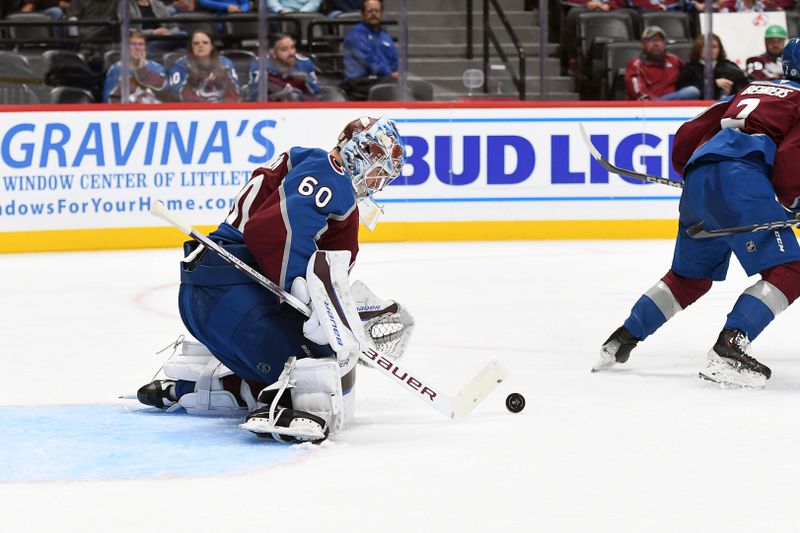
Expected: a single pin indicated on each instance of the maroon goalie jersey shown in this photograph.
(769, 111)
(300, 203)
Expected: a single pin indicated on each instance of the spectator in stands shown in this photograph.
(743, 6)
(334, 8)
(202, 75)
(569, 30)
(223, 7)
(290, 76)
(180, 6)
(652, 75)
(283, 7)
(768, 66)
(728, 78)
(370, 56)
(155, 9)
(656, 5)
(147, 79)
(55, 9)
(105, 10)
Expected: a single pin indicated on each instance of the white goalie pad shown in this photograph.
(318, 390)
(386, 323)
(334, 308)
(191, 361)
(315, 387)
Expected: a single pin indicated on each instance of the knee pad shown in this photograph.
(191, 361)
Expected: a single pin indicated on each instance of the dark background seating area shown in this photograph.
(39, 55)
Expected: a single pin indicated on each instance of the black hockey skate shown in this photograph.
(616, 349)
(730, 362)
(159, 393)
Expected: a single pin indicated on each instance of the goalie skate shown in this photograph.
(730, 363)
(289, 425)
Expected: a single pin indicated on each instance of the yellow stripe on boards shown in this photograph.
(166, 237)
(521, 230)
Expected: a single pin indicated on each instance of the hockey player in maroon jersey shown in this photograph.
(769, 65)
(305, 200)
(735, 158)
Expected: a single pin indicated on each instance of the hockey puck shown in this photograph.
(515, 402)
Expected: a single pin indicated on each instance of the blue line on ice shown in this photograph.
(82, 442)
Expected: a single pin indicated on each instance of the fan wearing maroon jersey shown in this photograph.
(738, 160)
(306, 199)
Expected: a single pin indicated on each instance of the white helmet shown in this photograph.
(372, 152)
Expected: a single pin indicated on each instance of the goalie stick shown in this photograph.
(605, 163)
(454, 407)
(697, 231)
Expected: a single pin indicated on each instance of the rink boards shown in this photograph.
(84, 177)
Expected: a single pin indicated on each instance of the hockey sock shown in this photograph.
(762, 302)
(660, 303)
(183, 387)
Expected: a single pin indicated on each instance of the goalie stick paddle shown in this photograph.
(622, 171)
(453, 407)
(697, 231)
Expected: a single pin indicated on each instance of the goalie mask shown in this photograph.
(373, 154)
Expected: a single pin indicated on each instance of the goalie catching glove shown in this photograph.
(338, 307)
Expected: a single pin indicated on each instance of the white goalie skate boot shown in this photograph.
(730, 362)
(616, 349)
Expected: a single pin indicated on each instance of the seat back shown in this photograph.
(617, 56)
(109, 58)
(70, 95)
(170, 58)
(16, 94)
(416, 91)
(32, 34)
(16, 66)
(64, 68)
(188, 22)
(793, 23)
(241, 60)
(674, 23)
(682, 50)
(595, 31)
(331, 93)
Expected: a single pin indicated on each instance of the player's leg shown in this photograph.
(775, 254)
(197, 381)
(320, 398)
(695, 263)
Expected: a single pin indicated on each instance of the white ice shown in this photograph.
(646, 446)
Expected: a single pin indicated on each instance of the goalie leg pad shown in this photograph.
(192, 362)
(315, 406)
(318, 390)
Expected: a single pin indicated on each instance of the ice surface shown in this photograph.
(646, 446)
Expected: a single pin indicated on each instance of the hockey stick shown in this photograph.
(621, 171)
(696, 230)
(454, 407)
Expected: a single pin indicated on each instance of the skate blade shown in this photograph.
(299, 432)
(722, 374)
(605, 362)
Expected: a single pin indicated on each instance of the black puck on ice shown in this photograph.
(515, 402)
